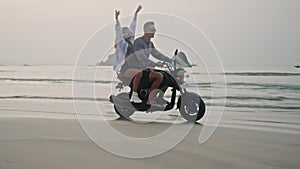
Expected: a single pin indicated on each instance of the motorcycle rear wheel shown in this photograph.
(122, 110)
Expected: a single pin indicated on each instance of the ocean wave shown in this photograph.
(262, 74)
(275, 86)
(243, 98)
(263, 106)
(200, 84)
(56, 80)
(247, 85)
(7, 71)
(232, 104)
(53, 98)
(253, 73)
(255, 106)
(268, 121)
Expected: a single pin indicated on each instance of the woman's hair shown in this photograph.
(126, 33)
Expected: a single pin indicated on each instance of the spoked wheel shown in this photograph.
(122, 106)
(192, 107)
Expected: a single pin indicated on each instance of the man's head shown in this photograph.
(127, 34)
(149, 29)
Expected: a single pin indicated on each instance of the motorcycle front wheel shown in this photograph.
(192, 107)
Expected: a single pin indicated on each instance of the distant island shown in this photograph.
(107, 62)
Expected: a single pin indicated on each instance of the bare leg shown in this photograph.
(137, 75)
(156, 78)
(136, 81)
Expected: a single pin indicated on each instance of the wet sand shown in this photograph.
(49, 142)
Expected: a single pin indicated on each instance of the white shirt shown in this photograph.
(121, 49)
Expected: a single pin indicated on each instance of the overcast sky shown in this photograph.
(245, 32)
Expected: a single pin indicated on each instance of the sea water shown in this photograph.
(253, 98)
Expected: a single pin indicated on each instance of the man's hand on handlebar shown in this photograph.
(159, 64)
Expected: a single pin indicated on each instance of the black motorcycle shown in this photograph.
(190, 104)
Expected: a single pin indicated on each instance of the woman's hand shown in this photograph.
(117, 13)
(138, 9)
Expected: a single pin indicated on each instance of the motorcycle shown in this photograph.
(190, 104)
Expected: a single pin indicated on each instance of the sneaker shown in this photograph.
(135, 99)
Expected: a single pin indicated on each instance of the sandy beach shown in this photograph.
(52, 140)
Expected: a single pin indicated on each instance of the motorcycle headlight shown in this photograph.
(181, 76)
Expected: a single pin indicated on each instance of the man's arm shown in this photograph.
(155, 53)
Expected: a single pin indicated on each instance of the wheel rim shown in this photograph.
(192, 107)
(123, 112)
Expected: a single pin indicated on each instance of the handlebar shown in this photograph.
(171, 66)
